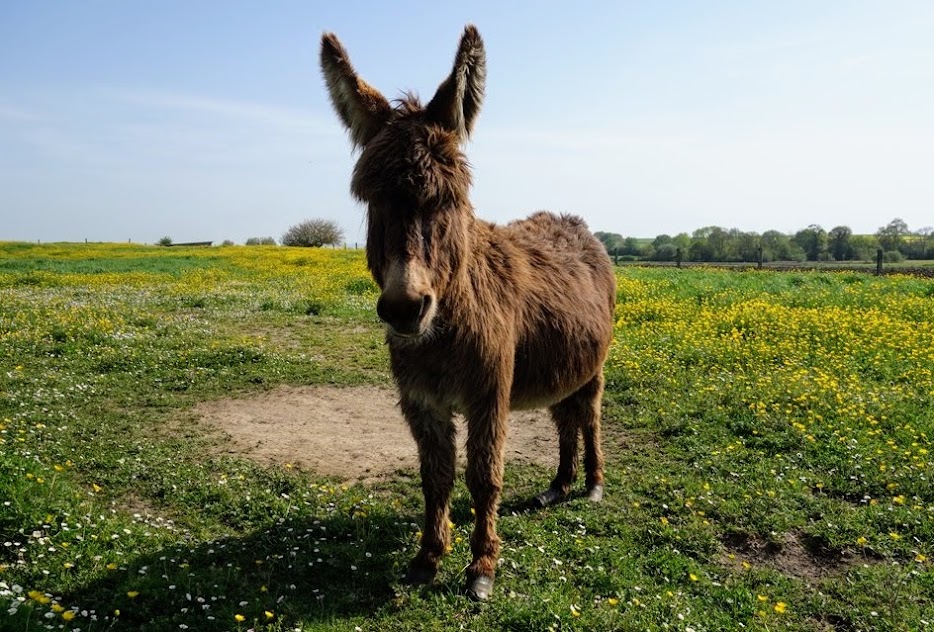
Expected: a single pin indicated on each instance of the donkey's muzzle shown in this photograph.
(407, 315)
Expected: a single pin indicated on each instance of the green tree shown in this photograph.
(892, 235)
(718, 242)
(747, 245)
(924, 239)
(813, 241)
(665, 252)
(611, 241)
(775, 246)
(631, 246)
(700, 251)
(864, 247)
(682, 241)
(838, 241)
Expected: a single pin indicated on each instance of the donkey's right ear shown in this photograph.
(361, 107)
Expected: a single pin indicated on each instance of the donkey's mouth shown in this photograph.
(406, 338)
(396, 333)
(414, 333)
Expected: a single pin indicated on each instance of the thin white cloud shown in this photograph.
(16, 113)
(255, 113)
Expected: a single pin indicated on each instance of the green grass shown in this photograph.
(767, 439)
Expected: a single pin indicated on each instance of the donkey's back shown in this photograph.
(563, 297)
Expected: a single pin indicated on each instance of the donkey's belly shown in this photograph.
(534, 401)
(442, 379)
(545, 375)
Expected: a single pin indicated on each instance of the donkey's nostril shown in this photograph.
(426, 305)
(381, 309)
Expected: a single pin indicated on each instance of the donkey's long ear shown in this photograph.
(361, 107)
(458, 99)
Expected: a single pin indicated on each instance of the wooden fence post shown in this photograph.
(879, 261)
(678, 257)
(759, 256)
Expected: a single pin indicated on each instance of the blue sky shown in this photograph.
(209, 121)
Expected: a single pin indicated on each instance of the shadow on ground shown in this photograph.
(297, 570)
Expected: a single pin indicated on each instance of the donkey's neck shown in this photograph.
(471, 263)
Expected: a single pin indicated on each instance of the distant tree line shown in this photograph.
(713, 243)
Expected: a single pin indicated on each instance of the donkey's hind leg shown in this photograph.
(593, 451)
(576, 414)
(435, 435)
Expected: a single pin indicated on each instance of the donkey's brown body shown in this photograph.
(480, 318)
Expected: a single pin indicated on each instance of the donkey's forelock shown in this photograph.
(412, 165)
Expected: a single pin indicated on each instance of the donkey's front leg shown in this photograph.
(434, 433)
(486, 436)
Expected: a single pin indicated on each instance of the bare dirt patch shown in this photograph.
(796, 555)
(353, 433)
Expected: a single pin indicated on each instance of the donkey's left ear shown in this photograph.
(361, 107)
(457, 101)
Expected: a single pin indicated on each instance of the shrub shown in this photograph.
(260, 241)
(313, 233)
(893, 256)
(665, 252)
(227, 242)
(165, 241)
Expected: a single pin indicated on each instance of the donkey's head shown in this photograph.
(413, 178)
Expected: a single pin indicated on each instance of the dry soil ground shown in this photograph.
(354, 433)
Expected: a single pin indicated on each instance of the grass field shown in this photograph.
(768, 439)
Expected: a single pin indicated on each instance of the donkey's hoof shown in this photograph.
(420, 575)
(595, 493)
(480, 587)
(549, 497)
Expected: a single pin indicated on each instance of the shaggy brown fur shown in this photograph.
(480, 318)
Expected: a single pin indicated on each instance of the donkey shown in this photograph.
(480, 318)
